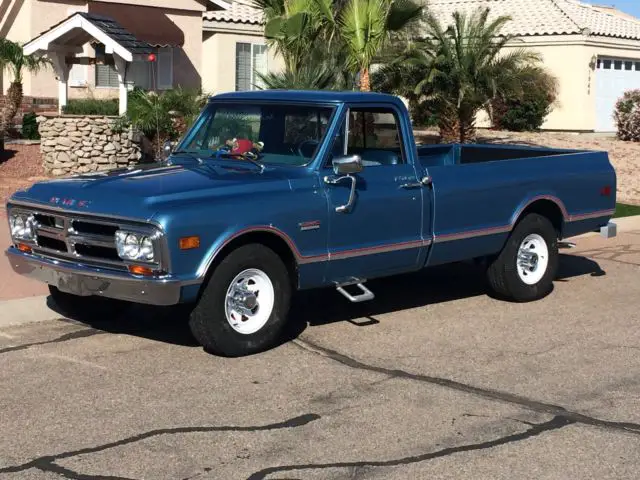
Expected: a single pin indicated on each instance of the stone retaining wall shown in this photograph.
(85, 143)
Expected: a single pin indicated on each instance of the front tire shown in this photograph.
(244, 306)
(527, 265)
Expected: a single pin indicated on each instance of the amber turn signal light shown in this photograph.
(140, 270)
(23, 248)
(187, 243)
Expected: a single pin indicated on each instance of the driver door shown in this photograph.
(381, 233)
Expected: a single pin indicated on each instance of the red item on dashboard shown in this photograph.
(243, 146)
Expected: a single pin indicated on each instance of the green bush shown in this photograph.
(163, 116)
(526, 108)
(92, 106)
(627, 116)
(30, 127)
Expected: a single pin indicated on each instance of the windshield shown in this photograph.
(276, 134)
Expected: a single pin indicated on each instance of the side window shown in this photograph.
(374, 134)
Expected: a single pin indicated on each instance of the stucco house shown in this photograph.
(593, 50)
(216, 44)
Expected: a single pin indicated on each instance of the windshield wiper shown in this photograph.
(185, 152)
(250, 156)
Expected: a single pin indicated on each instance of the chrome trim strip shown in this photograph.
(70, 212)
(449, 237)
(83, 280)
(359, 252)
(591, 215)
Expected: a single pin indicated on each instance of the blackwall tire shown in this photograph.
(527, 265)
(230, 323)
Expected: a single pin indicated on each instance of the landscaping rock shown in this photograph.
(84, 144)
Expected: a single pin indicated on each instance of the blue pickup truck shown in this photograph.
(270, 192)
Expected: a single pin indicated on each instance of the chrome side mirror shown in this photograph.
(347, 165)
(167, 148)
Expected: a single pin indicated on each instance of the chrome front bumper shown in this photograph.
(84, 281)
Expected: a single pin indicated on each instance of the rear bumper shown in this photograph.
(610, 230)
(85, 281)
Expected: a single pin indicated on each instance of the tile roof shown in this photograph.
(546, 17)
(238, 12)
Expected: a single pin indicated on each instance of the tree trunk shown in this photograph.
(365, 82)
(467, 126)
(13, 103)
(448, 124)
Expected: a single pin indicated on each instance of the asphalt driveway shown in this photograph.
(432, 380)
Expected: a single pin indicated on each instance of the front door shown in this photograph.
(381, 232)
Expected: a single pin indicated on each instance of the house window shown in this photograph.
(251, 59)
(106, 75)
(147, 75)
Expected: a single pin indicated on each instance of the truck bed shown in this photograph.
(443, 155)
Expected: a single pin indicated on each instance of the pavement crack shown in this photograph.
(553, 424)
(47, 463)
(87, 332)
(490, 394)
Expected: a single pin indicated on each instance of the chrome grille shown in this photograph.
(82, 239)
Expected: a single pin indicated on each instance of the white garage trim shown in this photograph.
(614, 76)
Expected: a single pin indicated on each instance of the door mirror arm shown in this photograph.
(346, 167)
(331, 180)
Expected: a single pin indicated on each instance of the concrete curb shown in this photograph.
(22, 311)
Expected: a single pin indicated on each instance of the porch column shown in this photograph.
(62, 72)
(121, 68)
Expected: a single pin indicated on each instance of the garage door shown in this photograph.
(614, 76)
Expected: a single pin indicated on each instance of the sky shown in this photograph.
(628, 6)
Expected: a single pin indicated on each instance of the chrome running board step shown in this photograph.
(364, 295)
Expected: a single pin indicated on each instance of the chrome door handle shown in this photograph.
(425, 181)
(331, 180)
(412, 185)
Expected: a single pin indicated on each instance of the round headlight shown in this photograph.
(132, 246)
(17, 225)
(22, 226)
(146, 249)
(135, 246)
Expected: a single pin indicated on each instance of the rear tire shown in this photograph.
(87, 308)
(244, 306)
(528, 263)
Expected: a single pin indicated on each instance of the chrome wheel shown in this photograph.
(249, 301)
(533, 259)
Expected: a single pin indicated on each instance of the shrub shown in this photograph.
(526, 108)
(92, 106)
(627, 116)
(30, 127)
(162, 116)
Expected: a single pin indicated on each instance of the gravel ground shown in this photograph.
(623, 155)
(20, 166)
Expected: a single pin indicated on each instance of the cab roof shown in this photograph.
(312, 96)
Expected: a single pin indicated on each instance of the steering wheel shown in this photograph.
(304, 142)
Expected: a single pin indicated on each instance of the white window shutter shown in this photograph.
(165, 68)
(243, 66)
(78, 76)
(259, 65)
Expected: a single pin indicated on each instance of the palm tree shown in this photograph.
(367, 27)
(13, 59)
(465, 66)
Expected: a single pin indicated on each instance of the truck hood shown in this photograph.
(141, 192)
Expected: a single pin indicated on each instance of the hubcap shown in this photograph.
(533, 259)
(249, 301)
